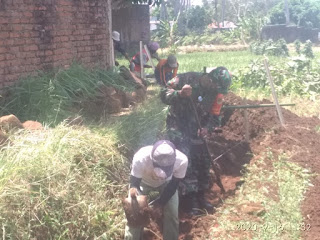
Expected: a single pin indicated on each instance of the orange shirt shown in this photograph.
(164, 68)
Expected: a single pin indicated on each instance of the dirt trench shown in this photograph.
(299, 136)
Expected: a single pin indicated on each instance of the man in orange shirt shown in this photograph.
(166, 70)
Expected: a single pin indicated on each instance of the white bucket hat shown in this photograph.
(163, 156)
(116, 36)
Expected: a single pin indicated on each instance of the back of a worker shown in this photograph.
(166, 70)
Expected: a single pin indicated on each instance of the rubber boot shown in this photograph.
(192, 206)
(203, 203)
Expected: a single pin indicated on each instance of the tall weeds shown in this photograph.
(50, 97)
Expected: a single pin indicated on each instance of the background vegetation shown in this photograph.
(67, 182)
(182, 24)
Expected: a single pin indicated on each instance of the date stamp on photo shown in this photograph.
(272, 227)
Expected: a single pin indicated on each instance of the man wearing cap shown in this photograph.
(135, 65)
(205, 93)
(166, 70)
(159, 167)
(117, 46)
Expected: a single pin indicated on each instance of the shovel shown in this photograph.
(215, 165)
(137, 210)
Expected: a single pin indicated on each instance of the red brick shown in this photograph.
(14, 49)
(4, 20)
(64, 38)
(4, 35)
(27, 14)
(10, 56)
(19, 41)
(30, 54)
(48, 53)
(17, 27)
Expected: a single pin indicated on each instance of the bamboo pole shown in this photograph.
(255, 106)
(274, 94)
(246, 122)
(149, 56)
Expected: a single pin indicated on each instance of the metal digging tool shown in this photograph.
(215, 166)
(255, 106)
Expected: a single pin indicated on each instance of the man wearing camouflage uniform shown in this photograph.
(204, 92)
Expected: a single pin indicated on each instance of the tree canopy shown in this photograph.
(303, 13)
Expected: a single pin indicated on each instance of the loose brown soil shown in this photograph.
(299, 138)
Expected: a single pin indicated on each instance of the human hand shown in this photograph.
(186, 91)
(133, 192)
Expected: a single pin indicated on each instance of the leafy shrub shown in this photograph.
(269, 47)
(307, 49)
(297, 45)
(297, 76)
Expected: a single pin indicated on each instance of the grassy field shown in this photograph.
(198, 60)
(66, 182)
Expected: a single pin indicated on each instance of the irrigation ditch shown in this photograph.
(267, 178)
(298, 142)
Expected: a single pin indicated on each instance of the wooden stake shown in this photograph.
(274, 94)
(246, 122)
(112, 54)
(141, 61)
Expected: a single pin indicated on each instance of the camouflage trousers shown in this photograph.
(198, 171)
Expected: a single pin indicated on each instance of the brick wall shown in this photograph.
(134, 27)
(45, 34)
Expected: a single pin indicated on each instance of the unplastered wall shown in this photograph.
(46, 34)
(133, 23)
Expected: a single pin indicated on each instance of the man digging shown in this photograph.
(186, 93)
(158, 168)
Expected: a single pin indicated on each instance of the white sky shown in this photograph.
(196, 2)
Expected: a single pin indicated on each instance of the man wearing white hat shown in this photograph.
(159, 167)
(117, 45)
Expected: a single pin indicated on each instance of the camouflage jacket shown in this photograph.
(181, 114)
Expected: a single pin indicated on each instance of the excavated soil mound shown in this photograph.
(299, 137)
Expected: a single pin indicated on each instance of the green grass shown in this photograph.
(231, 60)
(276, 188)
(196, 61)
(141, 127)
(68, 182)
(61, 183)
